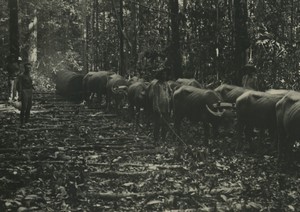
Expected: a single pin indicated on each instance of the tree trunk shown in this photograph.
(13, 29)
(32, 52)
(121, 64)
(84, 37)
(105, 48)
(292, 20)
(175, 55)
(97, 36)
(134, 55)
(241, 38)
(93, 30)
(87, 42)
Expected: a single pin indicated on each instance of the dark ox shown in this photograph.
(117, 91)
(173, 85)
(256, 109)
(137, 98)
(200, 105)
(158, 106)
(288, 122)
(95, 82)
(229, 93)
(134, 79)
(68, 84)
(280, 92)
(190, 82)
(149, 97)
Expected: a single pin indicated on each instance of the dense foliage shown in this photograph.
(83, 35)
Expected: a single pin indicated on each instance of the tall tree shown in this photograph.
(119, 18)
(13, 29)
(174, 50)
(121, 27)
(242, 42)
(32, 52)
(133, 33)
(85, 19)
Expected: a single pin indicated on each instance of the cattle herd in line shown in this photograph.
(277, 111)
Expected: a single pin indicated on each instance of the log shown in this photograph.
(143, 152)
(117, 174)
(146, 165)
(84, 147)
(116, 196)
(183, 210)
(41, 129)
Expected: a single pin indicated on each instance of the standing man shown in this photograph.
(250, 79)
(13, 69)
(25, 87)
(161, 104)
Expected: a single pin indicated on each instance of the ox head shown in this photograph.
(224, 113)
(120, 94)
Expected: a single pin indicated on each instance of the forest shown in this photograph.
(210, 39)
(82, 155)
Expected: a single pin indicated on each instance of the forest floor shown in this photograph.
(73, 158)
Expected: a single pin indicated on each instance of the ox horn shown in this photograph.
(122, 87)
(224, 105)
(219, 114)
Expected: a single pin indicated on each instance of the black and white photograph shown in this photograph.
(149, 105)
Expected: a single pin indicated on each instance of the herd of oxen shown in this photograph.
(274, 111)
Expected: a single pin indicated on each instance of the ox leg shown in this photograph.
(248, 136)
(99, 97)
(177, 123)
(91, 97)
(206, 133)
(281, 146)
(148, 115)
(273, 138)
(240, 128)
(285, 153)
(131, 110)
(164, 127)
(215, 130)
(116, 104)
(156, 127)
(137, 116)
(289, 150)
(107, 102)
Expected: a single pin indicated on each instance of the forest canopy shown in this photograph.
(213, 39)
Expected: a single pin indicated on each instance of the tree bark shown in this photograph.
(32, 52)
(292, 20)
(121, 64)
(134, 54)
(175, 54)
(13, 29)
(97, 36)
(84, 36)
(242, 42)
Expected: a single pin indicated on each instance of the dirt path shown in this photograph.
(71, 158)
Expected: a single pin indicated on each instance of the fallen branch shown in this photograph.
(146, 165)
(41, 129)
(114, 196)
(143, 152)
(84, 147)
(103, 114)
(116, 174)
